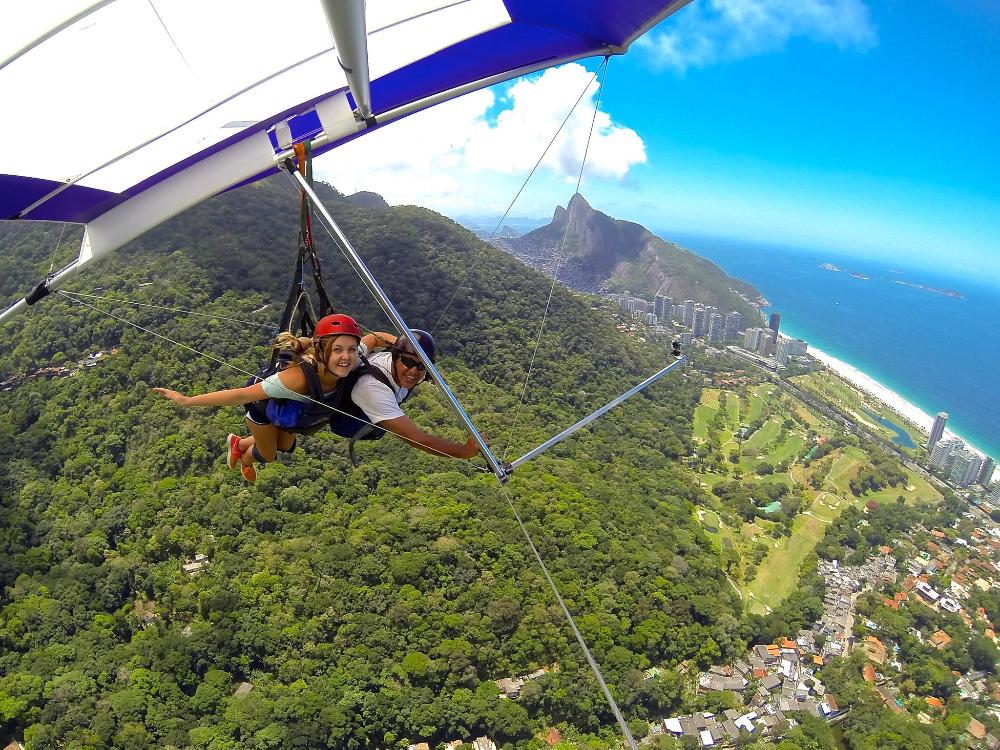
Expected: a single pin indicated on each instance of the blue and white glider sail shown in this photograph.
(122, 113)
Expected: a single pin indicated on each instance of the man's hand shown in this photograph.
(471, 448)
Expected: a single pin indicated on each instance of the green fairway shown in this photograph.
(845, 468)
(777, 576)
(768, 432)
(787, 450)
(703, 415)
(757, 404)
(922, 492)
(733, 405)
(710, 397)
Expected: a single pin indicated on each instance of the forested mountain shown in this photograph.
(367, 607)
(603, 253)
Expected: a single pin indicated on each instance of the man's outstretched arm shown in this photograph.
(407, 429)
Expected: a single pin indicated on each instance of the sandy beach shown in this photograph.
(887, 396)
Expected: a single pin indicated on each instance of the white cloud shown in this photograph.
(433, 157)
(711, 31)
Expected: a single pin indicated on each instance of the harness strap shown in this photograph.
(365, 433)
(303, 154)
(297, 315)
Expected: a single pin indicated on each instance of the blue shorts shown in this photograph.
(255, 413)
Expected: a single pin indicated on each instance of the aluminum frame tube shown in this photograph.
(348, 27)
(591, 417)
(401, 325)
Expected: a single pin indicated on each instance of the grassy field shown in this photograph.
(786, 450)
(709, 407)
(832, 387)
(768, 432)
(778, 574)
(702, 416)
(757, 402)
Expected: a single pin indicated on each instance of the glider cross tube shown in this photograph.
(397, 320)
(588, 419)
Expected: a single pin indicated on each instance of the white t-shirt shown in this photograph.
(375, 399)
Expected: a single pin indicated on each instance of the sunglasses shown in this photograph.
(409, 363)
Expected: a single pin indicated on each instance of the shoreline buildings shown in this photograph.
(937, 429)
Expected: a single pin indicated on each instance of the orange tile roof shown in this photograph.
(760, 672)
(786, 643)
(937, 534)
(868, 673)
(818, 660)
(940, 639)
(885, 550)
(934, 702)
(891, 603)
(989, 633)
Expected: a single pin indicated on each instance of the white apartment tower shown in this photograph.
(937, 429)
(966, 468)
(943, 451)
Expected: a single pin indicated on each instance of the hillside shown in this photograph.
(366, 607)
(607, 254)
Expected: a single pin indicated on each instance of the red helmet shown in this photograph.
(337, 325)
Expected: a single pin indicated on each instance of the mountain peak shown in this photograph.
(577, 205)
(367, 199)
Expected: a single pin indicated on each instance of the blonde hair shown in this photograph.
(303, 347)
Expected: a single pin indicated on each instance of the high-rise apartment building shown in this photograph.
(765, 345)
(688, 314)
(774, 323)
(699, 321)
(734, 322)
(716, 327)
(937, 429)
(661, 306)
(986, 472)
(994, 496)
(942, 450)
(965, 468)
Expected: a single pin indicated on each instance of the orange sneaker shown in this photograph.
(249, 473)
(233, 450)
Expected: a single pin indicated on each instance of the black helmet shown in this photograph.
(403, 346)
(426, 341)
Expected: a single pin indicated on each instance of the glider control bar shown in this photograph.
(588, 419)
(397, 320)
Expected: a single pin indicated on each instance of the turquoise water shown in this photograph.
(940, 352)
(902, 437)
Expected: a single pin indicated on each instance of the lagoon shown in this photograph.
(902, 437)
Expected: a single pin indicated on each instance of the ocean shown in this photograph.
(940, 352)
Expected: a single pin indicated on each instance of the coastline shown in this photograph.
(887, 396)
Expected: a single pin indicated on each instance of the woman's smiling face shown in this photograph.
(341, 355)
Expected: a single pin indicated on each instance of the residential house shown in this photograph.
(940, 639)
(875, 650)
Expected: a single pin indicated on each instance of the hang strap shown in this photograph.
(303, 154)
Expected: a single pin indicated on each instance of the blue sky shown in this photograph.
(867, 128)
